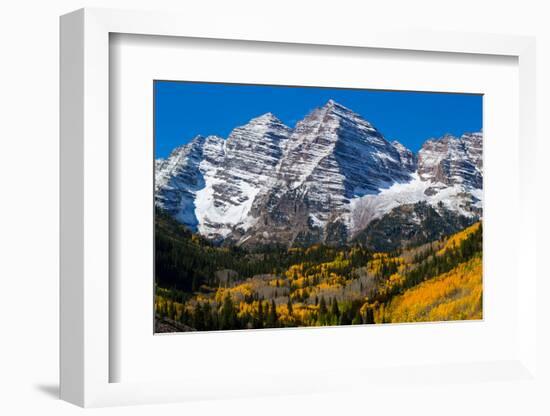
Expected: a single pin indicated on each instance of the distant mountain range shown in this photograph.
(332, 179)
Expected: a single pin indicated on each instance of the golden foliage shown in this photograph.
(277, 282)
(455, 295)
(374, 290)
(455, 239)
(381, 259)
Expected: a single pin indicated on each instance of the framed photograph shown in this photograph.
(290, 212)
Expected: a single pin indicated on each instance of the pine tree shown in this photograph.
(369, 318)
(322, 306)
(227, 319)
(272, 315)
(195, 283)
(198, 317)
(207, 314)
(289, 306)
(260, 323)
(335, 311)
(182, 318)
(173, 312)
(323, 312)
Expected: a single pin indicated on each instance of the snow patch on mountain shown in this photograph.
(370, 207)
(219, 220)
(333, 171)
(233, 172)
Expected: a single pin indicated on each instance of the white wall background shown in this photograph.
(29, 56)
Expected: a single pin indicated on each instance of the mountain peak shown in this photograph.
(266, 118)
(342, 112)
(296, 184)
(333, 105)
(197, 138)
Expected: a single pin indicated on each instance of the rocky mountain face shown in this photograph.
(210, 183)
(324, 181)
(248, 165)
(452, 160)
(181, 177)
(411, 224)
(332, 156)
(406, 157)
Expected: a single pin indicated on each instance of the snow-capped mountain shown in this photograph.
(210, 183)
(251, 155)
(325, 180)
(183, 175)
(452, 160)
(331, 157)
(407, 157)
(449, 175)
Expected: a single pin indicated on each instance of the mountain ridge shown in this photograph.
(324, 181)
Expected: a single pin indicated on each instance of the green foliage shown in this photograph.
(207, 287)
(272, 316)
(186, 262)
(228, 315)
(434, 264)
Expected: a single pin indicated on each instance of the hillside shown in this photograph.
(206, 287)
(455, 295)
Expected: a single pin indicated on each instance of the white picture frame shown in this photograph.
(85, 352)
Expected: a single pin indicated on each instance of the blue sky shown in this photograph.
(185, 109)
